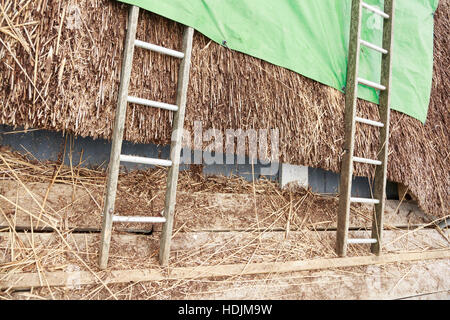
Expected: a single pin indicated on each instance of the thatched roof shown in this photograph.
(73, 88)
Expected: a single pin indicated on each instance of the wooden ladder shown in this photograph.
(116, 157)
(353, 80)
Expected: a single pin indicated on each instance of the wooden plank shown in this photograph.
(351, 94)
(138, 248)
(396, 241)
(30, 280)
(217, 211)
(384, 109)
(84, 244)
(175, 148)
(119, 125)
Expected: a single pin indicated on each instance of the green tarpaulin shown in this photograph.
(311, 37)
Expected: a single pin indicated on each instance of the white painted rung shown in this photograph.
(369, 122)
(365, 200)
(159, 49)
(368, 161)
(371, 84)
(150, 103)
(142, 160)
(361, 241)
(372, 46)
(375, 10)
(139, 219)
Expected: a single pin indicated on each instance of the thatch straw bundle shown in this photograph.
(60, 66)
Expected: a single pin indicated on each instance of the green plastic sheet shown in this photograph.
(311, 37)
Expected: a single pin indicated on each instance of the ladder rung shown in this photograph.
(142, 160)
(150, 103)
(375, 10)
(371, 84)
(139, 219)
(368, 161)
(362, 241)
(369, 122)
(159, 49)
(365, 200)
(372, 46)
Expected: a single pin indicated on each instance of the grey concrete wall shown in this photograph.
(48, 145)
(327, 182)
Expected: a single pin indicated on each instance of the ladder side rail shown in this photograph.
(175, 148)
(119, 124)
(345, 185)
(384, 109)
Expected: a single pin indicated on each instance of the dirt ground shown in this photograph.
(50, 219)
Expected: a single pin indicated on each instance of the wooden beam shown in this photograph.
(351, 95)
(67, 279)
(119, 125)
(384, 110)
(175, 148)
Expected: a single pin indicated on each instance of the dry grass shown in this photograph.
(30, 252)
(64, 249)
